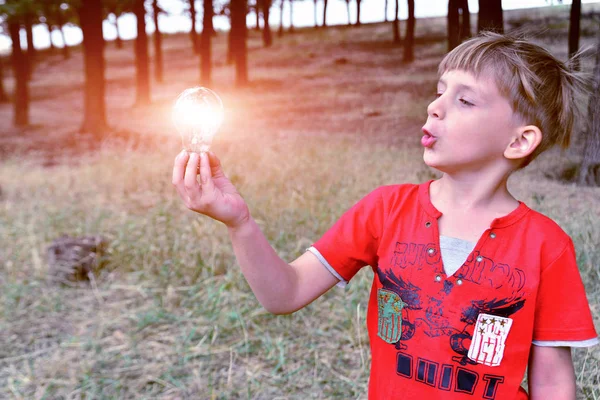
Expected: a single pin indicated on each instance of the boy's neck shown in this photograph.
(472, 193)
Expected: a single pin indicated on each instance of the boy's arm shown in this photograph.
(551, 374)
(280, 287)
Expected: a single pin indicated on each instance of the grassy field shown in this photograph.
(329, 116)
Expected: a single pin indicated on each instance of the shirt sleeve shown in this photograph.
(562, 309)
(352, 242)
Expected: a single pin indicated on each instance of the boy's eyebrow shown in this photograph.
(459, 85)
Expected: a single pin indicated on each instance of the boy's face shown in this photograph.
(469, 124)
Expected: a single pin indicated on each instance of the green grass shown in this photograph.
(171, 316)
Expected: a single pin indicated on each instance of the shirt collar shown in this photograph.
(504, 221)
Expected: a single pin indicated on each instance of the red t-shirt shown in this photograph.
(465, 336)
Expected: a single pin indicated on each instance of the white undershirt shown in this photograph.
(454, 253)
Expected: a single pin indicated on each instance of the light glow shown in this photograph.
(198, 114)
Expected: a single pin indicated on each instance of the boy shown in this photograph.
(467, 278)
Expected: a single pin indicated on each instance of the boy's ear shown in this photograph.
(524, 142)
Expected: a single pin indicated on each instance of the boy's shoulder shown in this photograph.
(545, 226)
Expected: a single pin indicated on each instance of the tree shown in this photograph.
(158, 59)
(13, 12)
(141, 55)
(453, 24)
(3, 96)
(589, 170)
(29, 18)
(90, 19)
(574, 30)
(193, 32)
(409, 38)
(358, 12)
(45, 18)
(385, 13)
(238, 35)
(21, 97)
(280, 30)
(465, 25)
(62, 15)
(490, 16)
(348, 11)
(265, 5)
(205, 44)
(396, 24)
(291, 15)
(117, 8)
(324, 13)
(257, 14)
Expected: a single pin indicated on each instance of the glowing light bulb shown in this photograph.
(197, 114)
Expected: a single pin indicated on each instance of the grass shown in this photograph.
(171, 316)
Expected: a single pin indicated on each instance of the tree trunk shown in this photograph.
(589, 170)
(267, 37)
(158, 59)
(453, 24)
(574, 31)
(65, 50)
(409, 38)
(60, 19)
(490, 16)
(193, 33)
(280, 30)
(206, 45)
(257, 14)
(465, 25)
(396, 24)
(30, 59)
(230, 45)
(3, 95)
(358, 12)
(385, 15)
(291, 16)
(315, 10)
(324, 13)
(142, 70)
(238, 35)
(21, 96)
(52, 47)
(118, 40)
(94, 115)
(348, 11)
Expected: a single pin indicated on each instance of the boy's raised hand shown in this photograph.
(215, 195)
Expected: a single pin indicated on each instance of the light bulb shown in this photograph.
(197, 114)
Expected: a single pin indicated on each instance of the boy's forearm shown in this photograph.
(551, 374)
(563, 391)
(271, 279)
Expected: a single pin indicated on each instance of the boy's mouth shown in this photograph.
(428, 139)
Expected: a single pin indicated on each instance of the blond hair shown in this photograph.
(542, 90)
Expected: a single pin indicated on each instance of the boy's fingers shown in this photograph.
(191, 172)
(206, 174)
(179, 167)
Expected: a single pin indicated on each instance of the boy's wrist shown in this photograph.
(241, 225)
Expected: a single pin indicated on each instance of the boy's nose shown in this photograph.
(434, 109)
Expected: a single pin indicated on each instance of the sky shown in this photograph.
(177, 21)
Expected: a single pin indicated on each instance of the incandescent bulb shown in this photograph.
(197, 114)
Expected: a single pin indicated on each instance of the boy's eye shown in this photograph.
(465, 102)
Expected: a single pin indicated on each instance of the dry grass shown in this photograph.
(172, 317)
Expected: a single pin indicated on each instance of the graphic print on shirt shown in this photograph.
(489, 337)
(424, 310)
(390, 307)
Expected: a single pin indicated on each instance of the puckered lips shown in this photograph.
(428, 139)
